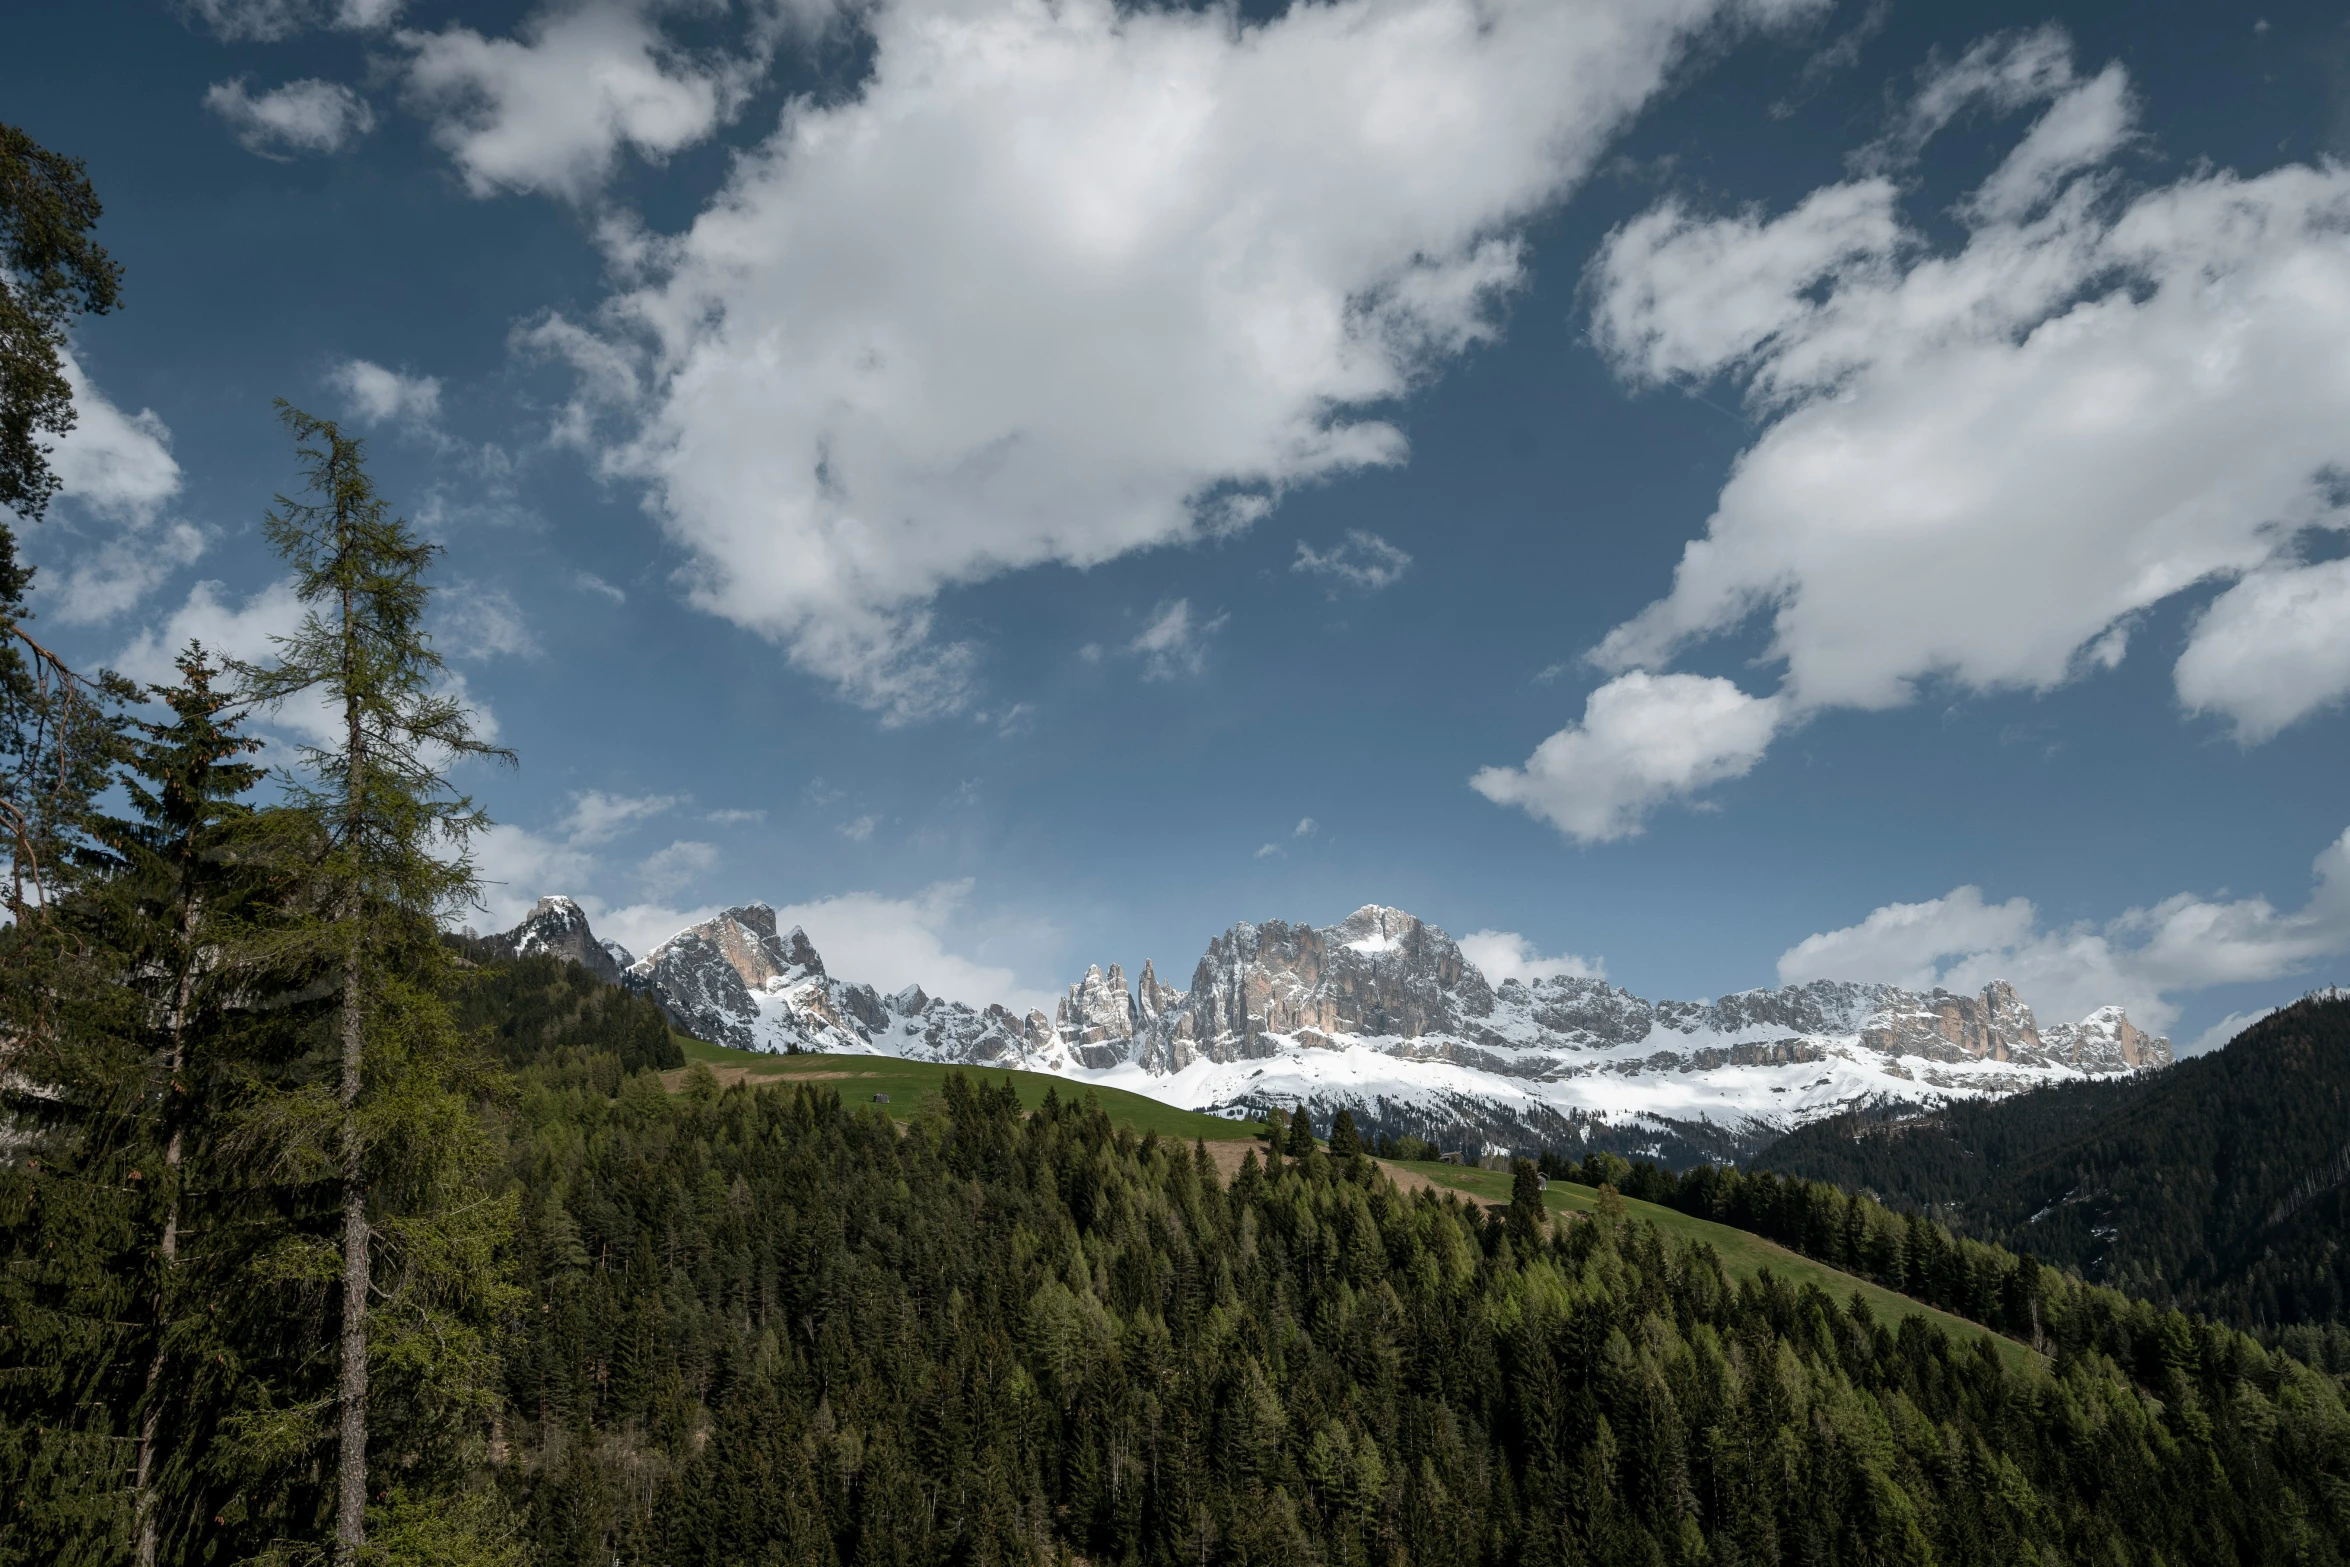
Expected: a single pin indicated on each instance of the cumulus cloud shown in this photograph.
(2139, 959)
(891, 943)
(2271, 650)
(859, 829)
(1306, 827)
(1060, 282)
(682, 865)
(1362, 561)
(1982, 462)
(1174, 645)
(1504, 954)
(116, 471)
(552, 109)
(116, 465)
(303, 116)
(518, 866)
(1644, 739)
(383, 396)
(265, 21)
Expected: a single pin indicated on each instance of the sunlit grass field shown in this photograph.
(859, 1078)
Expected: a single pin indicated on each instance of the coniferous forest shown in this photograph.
(321, 1240)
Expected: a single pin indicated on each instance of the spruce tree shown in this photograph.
(418, 1241)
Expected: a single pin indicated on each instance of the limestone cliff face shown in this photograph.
(1994, 1026)
(2105, 1041)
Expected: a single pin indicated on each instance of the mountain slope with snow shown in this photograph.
(1382, 1013)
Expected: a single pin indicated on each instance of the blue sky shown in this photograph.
(1023, 487)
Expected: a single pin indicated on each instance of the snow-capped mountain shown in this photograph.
(1383, 1013)
(559, 926)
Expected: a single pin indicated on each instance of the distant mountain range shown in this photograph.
(1382, 1013)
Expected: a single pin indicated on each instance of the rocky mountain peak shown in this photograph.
(558, 927)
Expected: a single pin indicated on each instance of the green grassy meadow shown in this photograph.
(859, 1078)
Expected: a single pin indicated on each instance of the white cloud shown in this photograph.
(2226, 1029)
(677, 867)
(1504, 954)
(1362, 561)
(859, 829)
(1267, 851)
(517, 867)
(303, 116)
(117, 472)
(474, 622)
(1904, 943)
(735, 817)
(1172, 645)
(1306, 827)
(597, 817)
(115, 465)
(384, 396)
(891, 943)
(1065, 281)
(589, 582)
(2008, 71)
(116, 576)
(552, 109)
(1644, 739)
(265, 21)
(1981, 463)
(2271, 650)
(2140, 959)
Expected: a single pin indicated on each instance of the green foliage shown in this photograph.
(1345, 1141)
(2220, 1185)
(541, 1009)
(50, 271)
(771, 1329)
(385, 1106)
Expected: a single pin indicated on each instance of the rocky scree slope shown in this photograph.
(1382, 1013)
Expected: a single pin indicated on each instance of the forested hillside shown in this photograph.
(767, 1328)
(2217, 1184)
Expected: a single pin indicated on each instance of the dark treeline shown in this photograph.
(2221, 1184)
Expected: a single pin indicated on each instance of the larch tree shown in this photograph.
(418, 1262)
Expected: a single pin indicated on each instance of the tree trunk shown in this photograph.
(351, 1446)
(170, 1248)
(351, 1458)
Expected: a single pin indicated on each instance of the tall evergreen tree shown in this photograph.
(54, 725)
(396, 1119)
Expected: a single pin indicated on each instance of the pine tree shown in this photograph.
(396, 1119)
(179, 863)
(1301, 1134)
(1345, 1141)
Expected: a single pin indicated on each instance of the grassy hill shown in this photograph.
(859, 1078)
